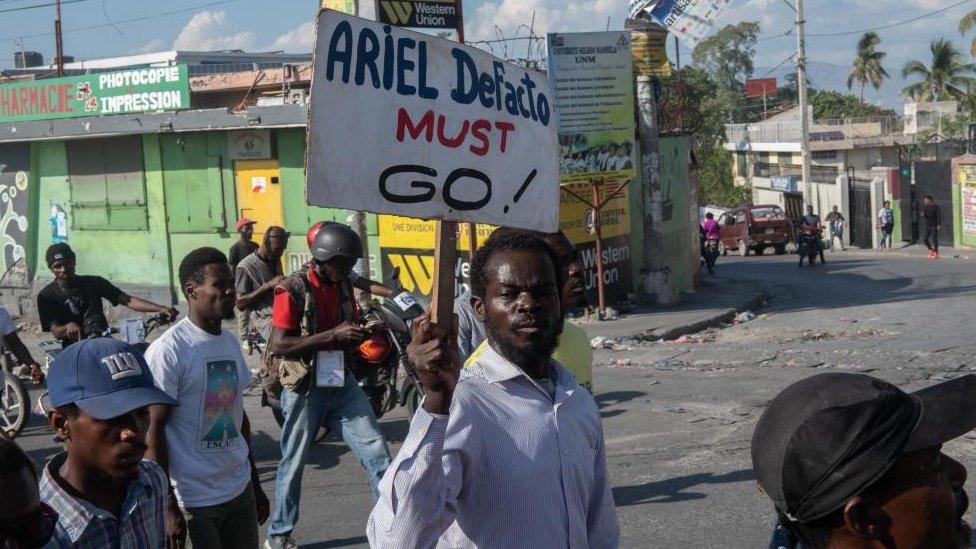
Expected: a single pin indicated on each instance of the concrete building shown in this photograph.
(855, 164)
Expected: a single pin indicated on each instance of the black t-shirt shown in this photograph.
(932, 214)
(80, 303)
(239, 251)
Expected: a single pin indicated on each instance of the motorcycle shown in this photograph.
(14, 402)
(711, 254)
(810, 244)
(133, 331)
(377, 362)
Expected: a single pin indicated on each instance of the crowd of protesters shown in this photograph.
(506, 449)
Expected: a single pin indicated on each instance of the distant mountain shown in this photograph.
(829, 76)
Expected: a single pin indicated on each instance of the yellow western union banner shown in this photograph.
(431, 14)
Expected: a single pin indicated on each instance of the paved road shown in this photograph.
(678, 416)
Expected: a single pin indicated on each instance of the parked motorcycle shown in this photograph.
(135, 331)
(14, 402)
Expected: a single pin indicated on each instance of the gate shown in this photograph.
(933, 177)
(860, 211)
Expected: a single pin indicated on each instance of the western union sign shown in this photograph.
(431, 14)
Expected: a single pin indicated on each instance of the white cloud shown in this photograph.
(152, 46)
(209, 30)
(550, 16)
(301, 39)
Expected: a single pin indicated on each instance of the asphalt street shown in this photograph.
(678, 417)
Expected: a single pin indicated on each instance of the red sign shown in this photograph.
(759, 87)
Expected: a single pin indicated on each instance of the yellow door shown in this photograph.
(259, 194)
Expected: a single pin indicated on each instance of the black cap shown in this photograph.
(59, 252)
(825, 439)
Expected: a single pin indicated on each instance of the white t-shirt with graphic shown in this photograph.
(207, 375)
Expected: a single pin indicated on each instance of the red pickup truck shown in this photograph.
(754, 228)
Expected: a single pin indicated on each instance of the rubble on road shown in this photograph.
(743, 317)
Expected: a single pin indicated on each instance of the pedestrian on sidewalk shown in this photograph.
(103, 490)
(933, 224)
(835, 225)
(315, 324)
(886, 223)
(851, 461)
(204, 443)
(512, 454)
(574, 351)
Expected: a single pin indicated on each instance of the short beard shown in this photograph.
(540, 351)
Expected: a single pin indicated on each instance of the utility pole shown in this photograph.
(58, 43)
(801, 75)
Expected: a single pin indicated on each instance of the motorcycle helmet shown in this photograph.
(375, 349)
(335, 240)
(312, 231)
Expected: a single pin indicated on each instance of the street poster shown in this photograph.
(413, 125)
(966, 179)
(689, 20)
(149, 89)
(429, 14)
(345, 6)
(592, 75)
(649, 51)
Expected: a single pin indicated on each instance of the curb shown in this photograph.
(670, 334)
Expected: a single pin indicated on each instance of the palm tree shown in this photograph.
(867, 64)
(947, 77)
(966, 24)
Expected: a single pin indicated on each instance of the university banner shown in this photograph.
(150, 89)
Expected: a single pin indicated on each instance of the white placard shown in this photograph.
(410, 124)
(330, 369)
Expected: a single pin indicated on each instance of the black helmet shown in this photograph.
(336, 240)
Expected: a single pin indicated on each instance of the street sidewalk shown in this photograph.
(917, 251)
(718, 301)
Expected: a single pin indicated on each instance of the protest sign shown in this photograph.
(413, 125)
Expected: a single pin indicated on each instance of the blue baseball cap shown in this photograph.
(104, 377)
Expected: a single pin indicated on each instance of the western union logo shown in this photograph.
(438, 14)
(398, 13)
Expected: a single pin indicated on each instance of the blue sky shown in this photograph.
(287, 24)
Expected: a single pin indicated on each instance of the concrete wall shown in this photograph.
(680, 213)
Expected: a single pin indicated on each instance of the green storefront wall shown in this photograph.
(191, 200)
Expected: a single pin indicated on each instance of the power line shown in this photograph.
(898, 24)
(123, 21)
(34, 7)
(781, 63)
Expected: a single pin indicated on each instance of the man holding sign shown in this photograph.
(512, 453)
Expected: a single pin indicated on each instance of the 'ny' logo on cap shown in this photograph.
(122, 365)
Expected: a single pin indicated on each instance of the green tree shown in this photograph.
(946, 77)
(727, 54)
(831, 104)
(867, 66)
(966, 24)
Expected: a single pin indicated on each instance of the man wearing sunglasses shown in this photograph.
(25, 522)
(104, 492)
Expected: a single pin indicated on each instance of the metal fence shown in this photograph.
(832, 129)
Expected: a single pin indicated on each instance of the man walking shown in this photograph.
(244, 247)
(512, 455)
(205, 442)
(933, 224)
(314, 326)
(105, 493)
(71, 306)
(256, 277)
(886, 222)
(835, 224)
